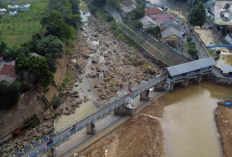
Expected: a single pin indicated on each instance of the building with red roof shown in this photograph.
(161, 18)
(153, 11)
(7, 71)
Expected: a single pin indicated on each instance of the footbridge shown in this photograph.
(212, 46)
(176, 75)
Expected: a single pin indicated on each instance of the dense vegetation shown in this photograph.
(198, 15)
(35, 60)
(154, 31)
(9, 94)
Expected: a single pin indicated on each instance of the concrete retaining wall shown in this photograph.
(145, 52)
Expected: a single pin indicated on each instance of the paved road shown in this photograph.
(101, 113)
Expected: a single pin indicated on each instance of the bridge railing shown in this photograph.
(135, 93)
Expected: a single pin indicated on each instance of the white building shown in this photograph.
(25, 7)
(13, 7)
(3, 11)
(147, 22)
(13, 13)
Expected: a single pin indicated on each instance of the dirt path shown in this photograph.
(140, 137)
(223, 118)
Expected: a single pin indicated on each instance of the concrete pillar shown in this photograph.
(197, 79)
(120, 110)
(159, 86)
(145, 95)
(90, 129)
(184, 83)
(171, 87)
(51, 152)
(123, 110)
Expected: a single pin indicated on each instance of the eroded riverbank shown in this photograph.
(223, 117)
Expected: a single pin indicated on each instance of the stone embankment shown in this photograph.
(107, 64)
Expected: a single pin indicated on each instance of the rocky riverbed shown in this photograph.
(108, 64)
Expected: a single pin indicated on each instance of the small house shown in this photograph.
(168, 24)
(161, 18)
(172, 36)
(25, 7)
(13, 13)
(153, 11)
(3, 11)
(13, 7)
(7, 71)
(127, 7)
(147, 22)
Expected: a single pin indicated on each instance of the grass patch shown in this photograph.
(212, 53)
(135, 61)
(68, 79)
(32, 123)
(19, 29)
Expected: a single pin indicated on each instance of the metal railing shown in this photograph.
(136, 92)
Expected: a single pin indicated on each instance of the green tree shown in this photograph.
(38, 68)
(35, 69)
(154, 30)
(32, 44)
(74, 20)
(55, 25)
(114, 3)
(192, 50)
(198, 15)
(99, 3)
(20, 64)
(51, 62)
(218, 52)
(192, 44)
(11, 54)
(138, 24)
(3, 46)
(69, 10)
(75, 5)
(138, 12)
(189, 39)
(50, 45)
(9, 94)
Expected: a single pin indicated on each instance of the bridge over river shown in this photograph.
(171, 76)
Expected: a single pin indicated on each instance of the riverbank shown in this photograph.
(223, 118)
(140, 136)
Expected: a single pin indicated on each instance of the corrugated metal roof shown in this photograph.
(170, 31)
(191, 66)
(226, 68)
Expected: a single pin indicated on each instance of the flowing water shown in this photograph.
(81, 87)
(188, 121)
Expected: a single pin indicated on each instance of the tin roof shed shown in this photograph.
(191, 66)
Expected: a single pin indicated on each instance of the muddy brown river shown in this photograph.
(188, 121)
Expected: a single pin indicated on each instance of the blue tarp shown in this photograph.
(228, 104)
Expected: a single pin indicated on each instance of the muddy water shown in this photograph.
(188, 121)
(225, 59)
